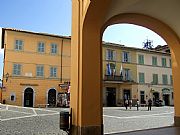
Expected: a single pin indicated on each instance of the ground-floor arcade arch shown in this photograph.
(161, 29)
(87, 74)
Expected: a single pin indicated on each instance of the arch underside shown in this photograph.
(86, 67)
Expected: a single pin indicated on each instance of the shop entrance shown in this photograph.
(52, 97)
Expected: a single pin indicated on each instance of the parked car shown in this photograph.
(158, 103)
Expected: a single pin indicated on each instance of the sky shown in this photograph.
(131, 35)
(54, 17)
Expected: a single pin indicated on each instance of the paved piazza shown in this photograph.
(121, 120)
(38, 121)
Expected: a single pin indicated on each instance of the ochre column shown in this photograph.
(175, 54)
(86, 96)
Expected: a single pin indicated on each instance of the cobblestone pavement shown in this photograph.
(121, 120)
(38, 121)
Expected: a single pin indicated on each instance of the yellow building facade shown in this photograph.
(131, 73)
(119, 74)
(36, 67)
(29, 57)
(37, 70)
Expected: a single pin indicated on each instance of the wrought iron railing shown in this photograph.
(117, 78)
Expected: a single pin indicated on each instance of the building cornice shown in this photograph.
(107, 44)
(30, 32)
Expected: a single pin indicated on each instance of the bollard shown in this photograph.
(64, 120)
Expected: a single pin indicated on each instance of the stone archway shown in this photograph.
(52, 97)
(90, 19)
(161, 29)
(28, 97)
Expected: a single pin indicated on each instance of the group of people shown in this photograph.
(129, 103)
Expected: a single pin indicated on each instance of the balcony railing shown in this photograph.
(116, 78)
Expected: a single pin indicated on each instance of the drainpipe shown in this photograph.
(61, 59)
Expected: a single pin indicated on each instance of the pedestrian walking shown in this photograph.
(130, 103)
(149, 104)
(137, 104)
(126, 103)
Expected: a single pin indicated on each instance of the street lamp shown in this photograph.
(7, 76)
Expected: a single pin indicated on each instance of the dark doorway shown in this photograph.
(166, 99)
(126, 95)
(28, 97)
(52, 98)
(111, 96)
(142, 97)
(155, 96)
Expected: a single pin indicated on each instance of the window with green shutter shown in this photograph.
(164, 79)
(170, 64)
(141, 59)
(171, 79)
(141, 78)
(154, 61)
(155, 79)
(163, 62)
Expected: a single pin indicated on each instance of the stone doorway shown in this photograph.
(28, 97)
